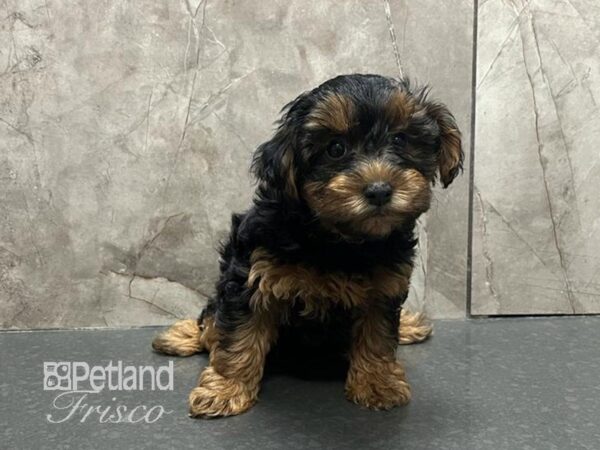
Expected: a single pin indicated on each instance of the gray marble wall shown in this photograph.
(126, 130)
(537, 147)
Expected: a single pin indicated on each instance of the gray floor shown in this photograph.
(480, 384)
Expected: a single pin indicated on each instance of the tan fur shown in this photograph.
(209, 336)
(400, 107)
(375, 379)
(334, 112)
(341, 199)
(230, 384)
(219, 396)
(187, 337)
(413, 328)
(318, 291)
(451, 154)
(183, 338)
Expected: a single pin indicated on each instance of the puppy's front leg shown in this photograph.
(230, 384)
(375, 378)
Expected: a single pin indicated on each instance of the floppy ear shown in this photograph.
(451, 155)
(273, 162)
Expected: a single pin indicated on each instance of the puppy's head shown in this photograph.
(362, 151)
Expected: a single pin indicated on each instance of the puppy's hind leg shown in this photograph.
(414, 328)
(186, 337)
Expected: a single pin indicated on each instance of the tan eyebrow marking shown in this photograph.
(334, 112)
(400, 107)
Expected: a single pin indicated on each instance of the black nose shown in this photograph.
(378, 193)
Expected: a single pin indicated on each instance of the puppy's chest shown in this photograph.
(318, 290)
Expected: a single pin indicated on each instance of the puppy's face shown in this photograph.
(362, 152)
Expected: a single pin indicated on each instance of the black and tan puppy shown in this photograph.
(324, 255)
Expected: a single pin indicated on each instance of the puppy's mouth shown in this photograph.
(374, 199)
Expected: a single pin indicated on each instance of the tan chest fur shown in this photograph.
(318, 291)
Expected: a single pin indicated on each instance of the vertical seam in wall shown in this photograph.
(472, 162)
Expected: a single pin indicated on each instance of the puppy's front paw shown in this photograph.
(380, 389)
(218, 396)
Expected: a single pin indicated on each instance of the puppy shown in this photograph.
(324, 255)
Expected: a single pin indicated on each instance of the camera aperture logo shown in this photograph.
(79, 385)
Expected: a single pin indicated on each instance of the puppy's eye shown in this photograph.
(336, 150)
(399, 139)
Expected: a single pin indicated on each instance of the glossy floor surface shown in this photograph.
(479, 384)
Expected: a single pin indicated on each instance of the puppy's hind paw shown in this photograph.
(414, 328)
(181, 339)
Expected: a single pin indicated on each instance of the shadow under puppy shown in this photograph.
(324, 255)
